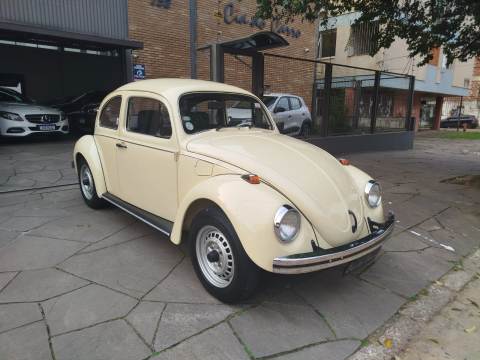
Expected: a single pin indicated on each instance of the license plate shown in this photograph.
(46, 127)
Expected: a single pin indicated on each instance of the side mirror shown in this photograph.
(279, 109)
(280, 127)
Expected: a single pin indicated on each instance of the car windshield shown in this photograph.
(205, 111)
(269, 100)
(13, 96)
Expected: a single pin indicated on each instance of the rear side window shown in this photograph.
(149, 117)
(111, 113)
(295, 103)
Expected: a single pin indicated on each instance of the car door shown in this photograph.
(146, 156)
(106, 138)
(282, 114)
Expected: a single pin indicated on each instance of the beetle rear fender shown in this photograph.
(87, 148)
(251, 210)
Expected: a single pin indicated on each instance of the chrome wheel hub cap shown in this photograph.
(215, 256)
(86, 182)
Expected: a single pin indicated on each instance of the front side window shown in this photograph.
(149, 117)
(269, 101)
(282, 105)
(295, 103)
(205, 111)
(111, 113)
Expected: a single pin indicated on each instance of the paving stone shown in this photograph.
(180, 321)
(6, 236)
(26, 343)
(405, 241)
(144, 319)
(182, 285)
(352, 307)
(84, 307)
(5, 278)
(133, 268)
(462, 245)
(32, 252)
(133, 231)
(15, 315)
(273, 328)
(335, 350)
(460, 223)
(40, 285)
(20, 223)
(87, 227)
(218, 343)
(408, 272)
(112, 340)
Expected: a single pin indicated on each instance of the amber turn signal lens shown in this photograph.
(252, 179)
(344, 161)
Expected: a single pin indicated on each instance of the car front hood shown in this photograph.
(315, 182)
(24, 108)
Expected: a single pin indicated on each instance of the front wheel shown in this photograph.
(218, 257)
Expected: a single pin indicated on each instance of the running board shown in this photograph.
(161, 224)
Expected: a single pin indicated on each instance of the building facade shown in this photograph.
(342, 42)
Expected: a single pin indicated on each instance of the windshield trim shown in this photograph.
(273, 126)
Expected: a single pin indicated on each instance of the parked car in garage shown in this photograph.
(21, 116)
(290, 113)
(82, 110)
(167, 152)
(453, 121)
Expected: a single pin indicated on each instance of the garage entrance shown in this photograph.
(49, 66)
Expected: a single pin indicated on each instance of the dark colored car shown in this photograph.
(453, 122)
(82, 111)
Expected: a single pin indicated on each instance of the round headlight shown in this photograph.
(286, 223)
(373, 193)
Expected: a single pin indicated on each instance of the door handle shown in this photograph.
(120, 145)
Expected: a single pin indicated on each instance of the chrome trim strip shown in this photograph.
(288, 265)
(136, 215)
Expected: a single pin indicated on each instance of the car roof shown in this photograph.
(281, 94)
(176, 87)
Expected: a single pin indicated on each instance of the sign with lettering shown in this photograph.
(138, 72)
(231, 16)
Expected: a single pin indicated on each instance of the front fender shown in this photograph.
(250, 209)
(87, 147)
(360, 179)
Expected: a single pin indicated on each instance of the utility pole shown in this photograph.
(459, 113)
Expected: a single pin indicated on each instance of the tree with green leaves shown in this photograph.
(453, 25)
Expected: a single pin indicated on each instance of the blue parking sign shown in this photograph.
(138, 72)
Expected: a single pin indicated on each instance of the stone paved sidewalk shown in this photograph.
(82, 284)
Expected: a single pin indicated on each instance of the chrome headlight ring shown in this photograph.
(286, 223)
(373, 193)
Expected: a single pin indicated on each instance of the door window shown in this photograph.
(148, 116)
(295, 103)
(111, 113)
(283, 104)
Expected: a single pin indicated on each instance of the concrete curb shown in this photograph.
(412, 317)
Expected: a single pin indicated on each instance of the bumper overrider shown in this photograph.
(322, 259)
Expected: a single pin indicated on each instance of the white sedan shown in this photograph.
(20, 116)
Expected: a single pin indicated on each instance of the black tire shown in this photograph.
(246, 274)
(306, 130)
(90, 198)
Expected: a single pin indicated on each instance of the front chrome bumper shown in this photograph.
(322, 259)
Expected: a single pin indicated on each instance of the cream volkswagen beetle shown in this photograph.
(247, 197)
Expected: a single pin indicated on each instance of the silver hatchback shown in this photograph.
(290, 113)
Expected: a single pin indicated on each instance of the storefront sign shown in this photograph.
(138, 72)
(165, 4)
(230, 16)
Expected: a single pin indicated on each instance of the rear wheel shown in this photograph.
(87, 186)
(218, 257)
(306, 130)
